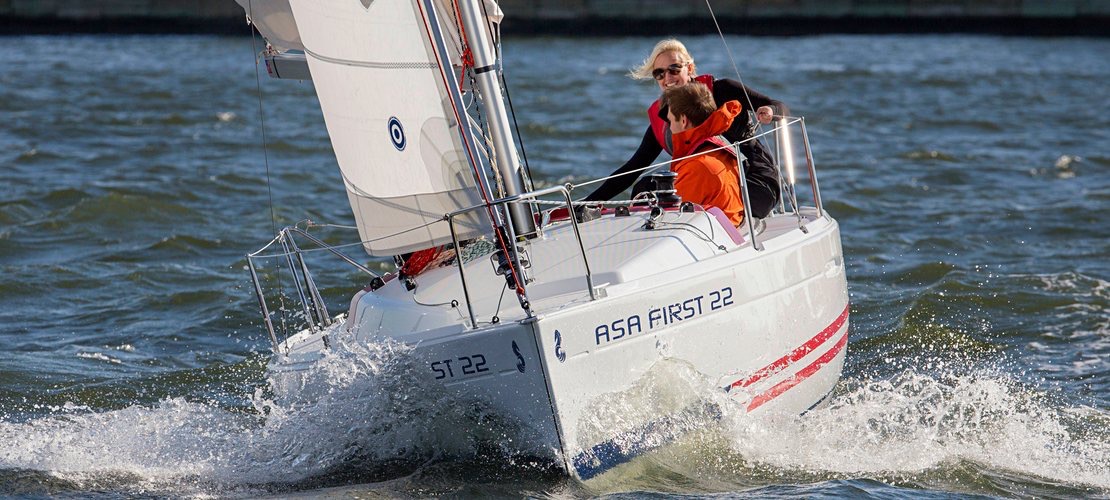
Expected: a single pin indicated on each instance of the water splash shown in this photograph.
(974, 430)
(370, 420)
(915, 422)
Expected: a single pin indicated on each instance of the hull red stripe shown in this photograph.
(806, 372)
(793, 356)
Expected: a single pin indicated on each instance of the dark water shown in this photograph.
(971, 177)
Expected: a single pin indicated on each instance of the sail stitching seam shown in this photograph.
(371, 64)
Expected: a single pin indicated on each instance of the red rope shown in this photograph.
(467, 56)
(419, 260)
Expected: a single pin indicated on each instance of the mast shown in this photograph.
(493, 105)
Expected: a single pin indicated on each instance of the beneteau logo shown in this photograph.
(396, 133)
(559, 352)
(366, 3)
(519, 358)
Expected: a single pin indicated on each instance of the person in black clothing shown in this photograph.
(670, 64)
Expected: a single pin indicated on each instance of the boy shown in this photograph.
(707, 179)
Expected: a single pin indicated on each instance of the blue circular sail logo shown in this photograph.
(396, 133)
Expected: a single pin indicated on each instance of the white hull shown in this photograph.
(768, 328)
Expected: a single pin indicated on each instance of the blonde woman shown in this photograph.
(670, 65)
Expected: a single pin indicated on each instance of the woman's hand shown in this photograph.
(764, 114)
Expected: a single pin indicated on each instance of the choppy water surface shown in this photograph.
(970, 175)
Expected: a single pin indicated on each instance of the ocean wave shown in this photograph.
(928, 155)
(37, 156)
(843, 208)
(22, 283)
(118, 210)
(185, 244)
(14, 212)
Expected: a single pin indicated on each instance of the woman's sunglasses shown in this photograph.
(673, 69)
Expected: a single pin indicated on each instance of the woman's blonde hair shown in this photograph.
(669, 45)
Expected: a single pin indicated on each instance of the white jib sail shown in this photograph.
(391, 121)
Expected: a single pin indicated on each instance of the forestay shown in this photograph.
(388, 112)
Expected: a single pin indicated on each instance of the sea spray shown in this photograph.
(912, 425)
(971, 428)
(368, 418)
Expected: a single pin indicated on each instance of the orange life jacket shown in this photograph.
(710, 179)
(662, 129)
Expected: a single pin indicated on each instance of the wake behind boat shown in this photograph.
(540, 316)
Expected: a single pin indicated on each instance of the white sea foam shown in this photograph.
(369, 411)
(98, 356)
(913, 423)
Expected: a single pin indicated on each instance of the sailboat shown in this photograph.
(510, 297)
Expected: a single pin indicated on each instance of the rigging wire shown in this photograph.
(735, 68)
(496, 37)
(266, 157)
(495, 215)
(502, 238)
(475, 106)
(261, 115)
(758, 126)
(519, 139)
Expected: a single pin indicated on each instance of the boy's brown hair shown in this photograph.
(693, 100)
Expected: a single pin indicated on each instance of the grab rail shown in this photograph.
(785, 154)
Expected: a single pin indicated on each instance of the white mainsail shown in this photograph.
(390, 115)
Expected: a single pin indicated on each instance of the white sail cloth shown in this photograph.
(274, 20)
(388, 112)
